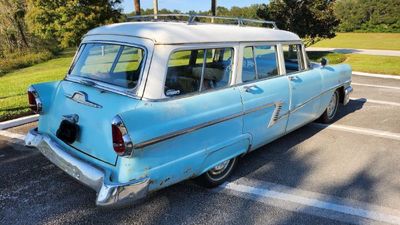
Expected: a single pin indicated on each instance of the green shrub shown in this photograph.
(15, 61)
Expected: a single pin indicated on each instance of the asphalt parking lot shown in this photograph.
(346, 173)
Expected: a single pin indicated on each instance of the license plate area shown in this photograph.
(68, 131)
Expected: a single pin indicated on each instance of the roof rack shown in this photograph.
(195, 18)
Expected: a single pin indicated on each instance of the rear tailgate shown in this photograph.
(95, 116)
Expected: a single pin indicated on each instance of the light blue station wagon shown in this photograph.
(148, 104)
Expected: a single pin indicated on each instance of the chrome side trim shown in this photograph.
(275, 116)
(200, 126)
(184, 131)
(315, 97)
(108, 193)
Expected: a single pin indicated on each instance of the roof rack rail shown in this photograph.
(194, 18)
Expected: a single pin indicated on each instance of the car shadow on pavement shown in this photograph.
(351, 107)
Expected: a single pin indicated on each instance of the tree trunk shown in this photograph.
(137, 7)
(213, 7)
(21, 31)
(155, 7)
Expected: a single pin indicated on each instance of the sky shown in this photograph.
(187, 5)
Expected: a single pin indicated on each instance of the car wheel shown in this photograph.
(330, 111)
(218, 174)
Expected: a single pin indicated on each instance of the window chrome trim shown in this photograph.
(129, 92)
(177, 133)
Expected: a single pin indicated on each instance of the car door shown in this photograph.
(265, 94)
(305, 86)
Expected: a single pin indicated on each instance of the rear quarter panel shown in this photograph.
(194, 152)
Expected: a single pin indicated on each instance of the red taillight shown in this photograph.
(34, 101)
(118, 140)
(122, 143)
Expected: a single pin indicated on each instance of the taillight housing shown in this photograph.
(34, 101)
(122, 143)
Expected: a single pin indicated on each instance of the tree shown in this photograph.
(12, 25)
(66, 21)
(312, 20)
(368, 15)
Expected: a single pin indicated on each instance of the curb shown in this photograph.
(18, 121)
(376, 75)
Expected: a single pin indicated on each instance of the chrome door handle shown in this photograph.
(249, 87)
(293, 78)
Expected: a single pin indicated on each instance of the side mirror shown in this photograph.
(324, 62)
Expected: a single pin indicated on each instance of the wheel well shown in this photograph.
(341, 94)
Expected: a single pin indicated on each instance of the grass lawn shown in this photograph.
(13, 86)
(384, 41)
(362, 63)
(333, 58)
(374, 63)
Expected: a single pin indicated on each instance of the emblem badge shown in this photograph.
(82, 98)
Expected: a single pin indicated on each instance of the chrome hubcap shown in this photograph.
(218, 169)
(331, 110)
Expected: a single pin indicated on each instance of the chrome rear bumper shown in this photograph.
(347, 93)
(110, 194)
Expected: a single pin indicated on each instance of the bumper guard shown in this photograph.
(347, 93)
(113, 194)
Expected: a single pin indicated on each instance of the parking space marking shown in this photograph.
(25, 156)
(310, 202)
(376, 101)
(376, 86)
(12, 135)
(359, 130)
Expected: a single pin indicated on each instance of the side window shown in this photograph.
(259, 62)
(249, 66)
(218, 68)
(198, 70)
(266, 61)
(294, 60)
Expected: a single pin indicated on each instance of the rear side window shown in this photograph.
(109, 63)
(259, 62)
(198, 70)
(294, 60)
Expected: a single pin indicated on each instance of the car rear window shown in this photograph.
(198, 70)
(109, 63)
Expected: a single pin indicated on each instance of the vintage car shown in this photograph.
(148, 104)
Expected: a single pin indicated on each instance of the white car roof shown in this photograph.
(182, 33)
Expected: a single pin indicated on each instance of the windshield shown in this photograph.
(110, 63)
